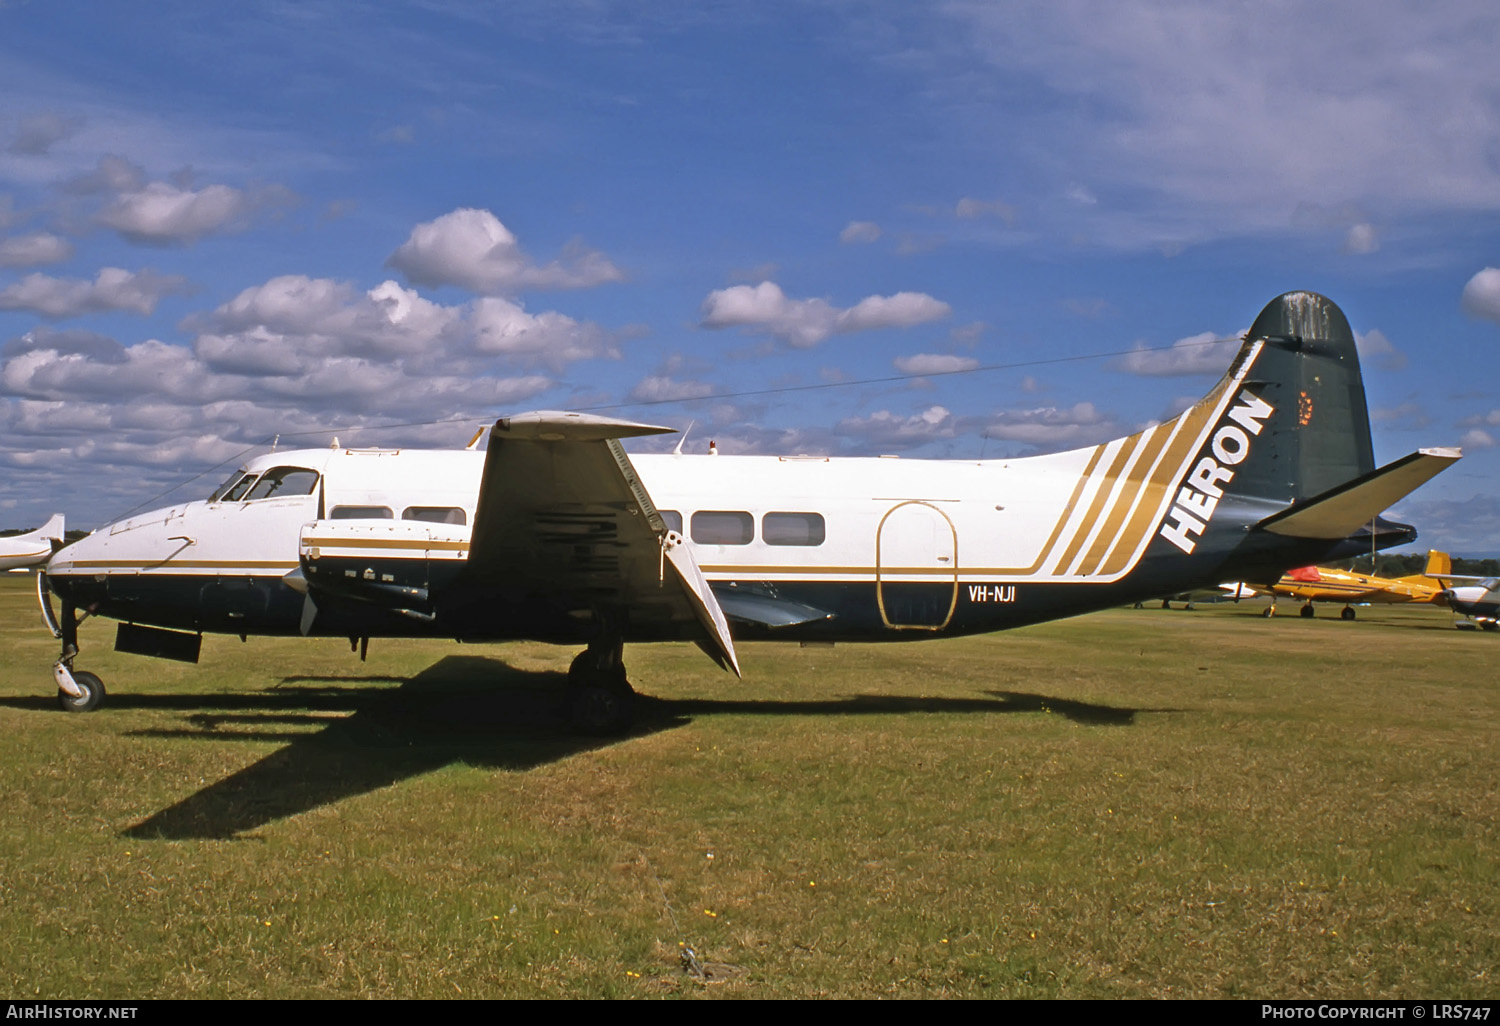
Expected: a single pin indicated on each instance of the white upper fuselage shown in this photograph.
(1039, 518)
(1083, 515)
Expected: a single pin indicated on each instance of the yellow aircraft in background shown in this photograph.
(1324, 584)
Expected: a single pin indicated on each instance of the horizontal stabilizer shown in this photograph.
(1440, 566)
(1339, 512)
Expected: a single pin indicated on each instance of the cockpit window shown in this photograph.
(223, 490)
(435, 514)
(282, 482)
(237, 491)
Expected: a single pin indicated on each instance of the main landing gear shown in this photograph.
(601, 701)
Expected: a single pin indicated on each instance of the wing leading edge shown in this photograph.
(563, 519)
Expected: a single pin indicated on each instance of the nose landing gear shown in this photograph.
(77, 690)
(89, 688)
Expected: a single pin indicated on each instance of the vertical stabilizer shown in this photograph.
(1309, 372)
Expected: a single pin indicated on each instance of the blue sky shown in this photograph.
(394, 222)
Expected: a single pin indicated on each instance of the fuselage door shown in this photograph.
(916, 567)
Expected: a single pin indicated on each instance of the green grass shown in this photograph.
(1138, 803)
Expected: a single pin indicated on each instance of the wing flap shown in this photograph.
(705, 605)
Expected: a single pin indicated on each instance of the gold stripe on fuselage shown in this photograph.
(1128, 447)
(1134, 482)
(385, 543)
(1191, 427)
(175, 564)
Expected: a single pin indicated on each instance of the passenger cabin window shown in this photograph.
(793, 529)
(723, 527)
(283, 482)
(672, 519)
(435, 514)
(361, 513)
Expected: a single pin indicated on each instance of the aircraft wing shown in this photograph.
(564, 521)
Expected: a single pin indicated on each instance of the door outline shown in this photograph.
(880, 576)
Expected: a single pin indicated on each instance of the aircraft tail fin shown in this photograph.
(54, 529)
(1287, 433)
(1439, 565)
(1316, 434)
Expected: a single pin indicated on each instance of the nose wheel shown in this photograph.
(90, 693)
(77, 690)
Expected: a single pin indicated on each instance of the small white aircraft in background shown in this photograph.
(1478, 598)
(556, 534)
(20, 551)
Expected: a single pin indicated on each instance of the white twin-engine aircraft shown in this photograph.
(555, 534)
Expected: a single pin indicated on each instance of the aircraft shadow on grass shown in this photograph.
(345, 740)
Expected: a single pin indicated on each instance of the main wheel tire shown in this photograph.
(1347, 613)
(93, 693)
(601, 709)
(1307, 612)
(1268, 612)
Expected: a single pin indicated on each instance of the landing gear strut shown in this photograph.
(77, 690)
(601, 701)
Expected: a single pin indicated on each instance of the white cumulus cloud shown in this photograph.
(886, 431)
(548, 338)
(806, 322)
(859, 232)
(934, 363)
(1375, 348)
(1204, 353)
(113, 288)
(664, 388)
(1050, 427)
(471, 249)
(160, 213)
(1482, 294)
(38, 133)
(34, 249)
(1361, 238)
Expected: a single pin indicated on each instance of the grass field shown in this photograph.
(1138, 803)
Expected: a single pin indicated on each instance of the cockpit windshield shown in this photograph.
(237, 482)
(281, 482)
